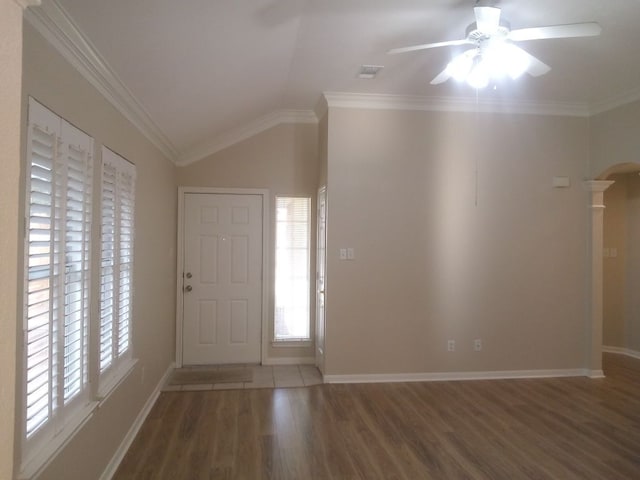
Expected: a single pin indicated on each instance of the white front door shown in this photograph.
(222, 278)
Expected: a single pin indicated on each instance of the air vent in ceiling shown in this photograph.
(369, 71)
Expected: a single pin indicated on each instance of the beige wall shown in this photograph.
(431, 265)
(614, 267)
(284, 160)
(632, 304)
(10, 146)
(52, 81)
(614, 138)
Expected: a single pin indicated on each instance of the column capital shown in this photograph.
(28, 3)
(597, 185)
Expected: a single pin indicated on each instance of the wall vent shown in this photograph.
(369, 71)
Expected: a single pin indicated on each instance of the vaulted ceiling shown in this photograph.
(199, 70)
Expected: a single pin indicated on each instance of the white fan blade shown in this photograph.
(487, 19)
(441, 78)
(425, 46)
(590, 29)
(536, 67)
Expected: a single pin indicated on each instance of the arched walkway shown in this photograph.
(596, 189)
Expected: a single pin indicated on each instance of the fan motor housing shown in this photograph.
(475, 35)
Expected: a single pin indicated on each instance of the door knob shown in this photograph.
(188, 288)
(189, 275)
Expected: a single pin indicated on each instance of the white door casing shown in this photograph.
(221, 289)
(320, 277)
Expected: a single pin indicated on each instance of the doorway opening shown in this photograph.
(621, 262)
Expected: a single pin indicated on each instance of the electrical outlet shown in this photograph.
(477, 345)
(451, 346)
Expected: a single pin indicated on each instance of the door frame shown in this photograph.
(321, 265)
(182, 191)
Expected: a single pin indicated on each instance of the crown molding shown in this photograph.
(28, 3)
(59, 30)
(321, 107)
(448, 104)
(615, 101)
(246, 131)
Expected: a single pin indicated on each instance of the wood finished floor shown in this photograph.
(570, 428)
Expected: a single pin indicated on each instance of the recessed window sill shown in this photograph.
(291, 343)
(112, 380)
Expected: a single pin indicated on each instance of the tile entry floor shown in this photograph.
(279, 376)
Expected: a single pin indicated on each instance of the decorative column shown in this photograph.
(594, 346)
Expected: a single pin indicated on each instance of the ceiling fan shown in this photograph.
(494, 53)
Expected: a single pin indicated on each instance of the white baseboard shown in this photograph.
(596, 374)
(135, 428)
(455, 376)
(289, 361)
(622, 351)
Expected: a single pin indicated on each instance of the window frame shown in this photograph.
(293, 341)
(123, 362)
(65, 207)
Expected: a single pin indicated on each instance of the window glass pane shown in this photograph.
(292, 282)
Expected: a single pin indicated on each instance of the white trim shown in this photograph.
(622, 351)
(597, 186)
(113, 379)
(266, 205)
(58, 28)
(594, 374)
(28, 3)
(275, 361)
(321, 107)
(243, 132)
(447, 104)
(292, 343)
(454, 376)
(114, 463)
(614, 102)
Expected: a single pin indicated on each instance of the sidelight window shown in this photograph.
(292, 282)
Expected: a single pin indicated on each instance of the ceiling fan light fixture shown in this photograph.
(480, 74)
(461, 65)
(495, 56)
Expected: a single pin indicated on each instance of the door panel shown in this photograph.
(222, 318)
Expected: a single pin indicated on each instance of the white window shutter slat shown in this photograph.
(57, 267)
(118, 198)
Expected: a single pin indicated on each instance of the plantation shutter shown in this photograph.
(116, 267)
(57, 276)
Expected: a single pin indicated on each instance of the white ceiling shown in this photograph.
(203, 68)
